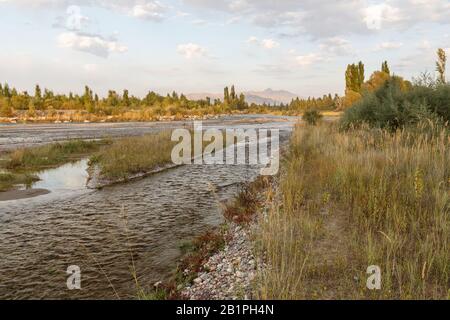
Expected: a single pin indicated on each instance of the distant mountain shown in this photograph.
(278, 96)
(268, 96)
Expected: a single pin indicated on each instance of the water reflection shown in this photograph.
(71, 176)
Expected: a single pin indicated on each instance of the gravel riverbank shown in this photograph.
(228, 274)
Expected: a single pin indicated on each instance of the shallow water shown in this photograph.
(109, 233)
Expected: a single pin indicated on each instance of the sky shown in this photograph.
(194, 46)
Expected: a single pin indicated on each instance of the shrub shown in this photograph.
(393, 105)
(312, 117)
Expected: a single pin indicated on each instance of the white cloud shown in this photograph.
(306, 60)
(375, 16)
(191, 50)
(336, 46)
(90, 43)
(90, 67)
(143, 9)
(389, 45)
(264, 43)
(326, 18)
(152, 10)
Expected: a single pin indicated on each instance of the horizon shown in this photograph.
(172, 45)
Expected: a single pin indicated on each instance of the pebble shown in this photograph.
(230, 272)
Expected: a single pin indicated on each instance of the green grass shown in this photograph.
(51, 155)
(8, 180)
(354, 199)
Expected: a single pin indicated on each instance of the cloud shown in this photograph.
(375, 16)
(191, 50)
(264, 43)
(326, 18)
(306, 60)
(93, 44)
(91, 68)
(336, 46)
(152, 10)
(142, 9)
(389, 45)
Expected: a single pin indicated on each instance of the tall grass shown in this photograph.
(128, 156)
(354, 199)
(49, 155)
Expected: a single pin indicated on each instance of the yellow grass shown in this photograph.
(134, 155)
(354, 199)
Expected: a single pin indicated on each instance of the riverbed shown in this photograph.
(123, 237)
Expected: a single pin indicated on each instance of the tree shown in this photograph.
(385, 68)
(360, 74)
(37, 92)
(233, 95)
(440, 65)
(126, 98)
(376, 80)
(241, 103)
(354, 77)
(5, 108)
(6, 91)
(226, 95)
(31, 109)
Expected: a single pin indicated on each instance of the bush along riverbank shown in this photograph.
(221, 264)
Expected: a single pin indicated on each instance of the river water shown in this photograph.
(113, 233)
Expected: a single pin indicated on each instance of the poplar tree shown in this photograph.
(440, 65)
(385, 67)
(354, 77)
(226, 95)
(233, 94)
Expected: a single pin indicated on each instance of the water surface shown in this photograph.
(113, 233)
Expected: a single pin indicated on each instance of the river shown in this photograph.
(113, 233)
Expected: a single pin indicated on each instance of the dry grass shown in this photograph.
(354, 199)
(129, 156)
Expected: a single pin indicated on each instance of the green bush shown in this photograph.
(392, 107)
(312, 117)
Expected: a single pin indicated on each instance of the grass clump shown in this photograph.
(312, 117)
(354, 199)
(7, 180)
(129, 156)
(37, 158)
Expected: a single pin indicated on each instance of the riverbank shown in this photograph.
(67, 117)
(221, 263)
(355, 199)
(344, 201)
(19, 167)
